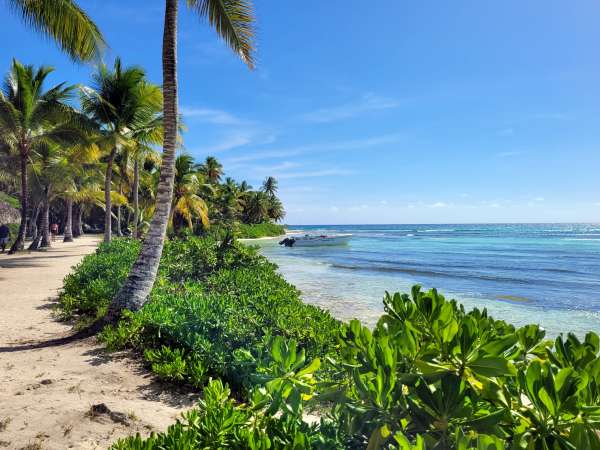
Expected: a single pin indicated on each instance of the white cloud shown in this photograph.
(539, 199)
(439, 205)
(228, 143)
(209, 115)
(357, 144)
(314, 173)
(367, 103)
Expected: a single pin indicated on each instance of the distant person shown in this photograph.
(54, 230)
(4, 236)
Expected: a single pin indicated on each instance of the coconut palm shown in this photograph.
(270, 186)
(65, 22)
(233, 21)
(141, 150)
(54, 172)
(275, 211)
(120, 102)
(187, 204)
(212, 169)
(32, 118)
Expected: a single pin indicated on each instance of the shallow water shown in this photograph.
(523, 273)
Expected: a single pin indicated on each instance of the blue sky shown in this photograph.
(383, 112)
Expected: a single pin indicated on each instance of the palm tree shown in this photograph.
(270, 186)
(275, 210)
(187, 204)
(30, 119)
(233, 20)
(66, 23)
(121, 102)
(212, 169)
(257, 207)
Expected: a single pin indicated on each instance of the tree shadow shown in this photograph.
(57, 342)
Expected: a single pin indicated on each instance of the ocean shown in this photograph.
(523, 273)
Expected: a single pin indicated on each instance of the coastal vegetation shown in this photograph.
(430, 375)
(209, 313)
(96, 166)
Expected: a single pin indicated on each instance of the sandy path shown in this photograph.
(46, 394)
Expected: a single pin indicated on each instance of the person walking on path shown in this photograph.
(4, 236)
(54, 231)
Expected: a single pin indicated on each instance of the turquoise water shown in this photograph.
(524, 273)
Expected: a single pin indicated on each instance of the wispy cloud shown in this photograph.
(314, 173)
(439, 205)
(357, 144)
(506, 132)
(209, 115)
(367, 103)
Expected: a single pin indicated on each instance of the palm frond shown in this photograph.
(66, 23)
(233, 21)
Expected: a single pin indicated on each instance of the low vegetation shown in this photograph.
(266, 229)
(430, 375)
(212, 312)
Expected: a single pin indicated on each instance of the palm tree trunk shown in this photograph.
(118, 223)
(19, 243)
(136, 289)
(69, 222)
(45, 228)
(80, 221)
(136, 200)
(34, 221)
(77, 221)
(107, 201)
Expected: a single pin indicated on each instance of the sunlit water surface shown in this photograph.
(523, 273)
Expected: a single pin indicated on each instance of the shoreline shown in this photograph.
(267, 238)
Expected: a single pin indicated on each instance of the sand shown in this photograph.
(47, 394)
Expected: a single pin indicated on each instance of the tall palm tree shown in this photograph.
(270, 186)
(30, 119)
(65, 22)
(212, 169)
(187, 204)
(120, 102)
(233, 21)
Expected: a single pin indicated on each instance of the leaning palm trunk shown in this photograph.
(136, 200)
(141, 278)
(20, 240)
(107, 200)
(69, 222)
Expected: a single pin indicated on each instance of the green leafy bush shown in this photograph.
(215, 305)
(252, 231)
(88, 290)
(429, 376)
(433, 376)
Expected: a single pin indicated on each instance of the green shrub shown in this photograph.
(253, 231)
(88, 290)
(217, 304)
(429, 376)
